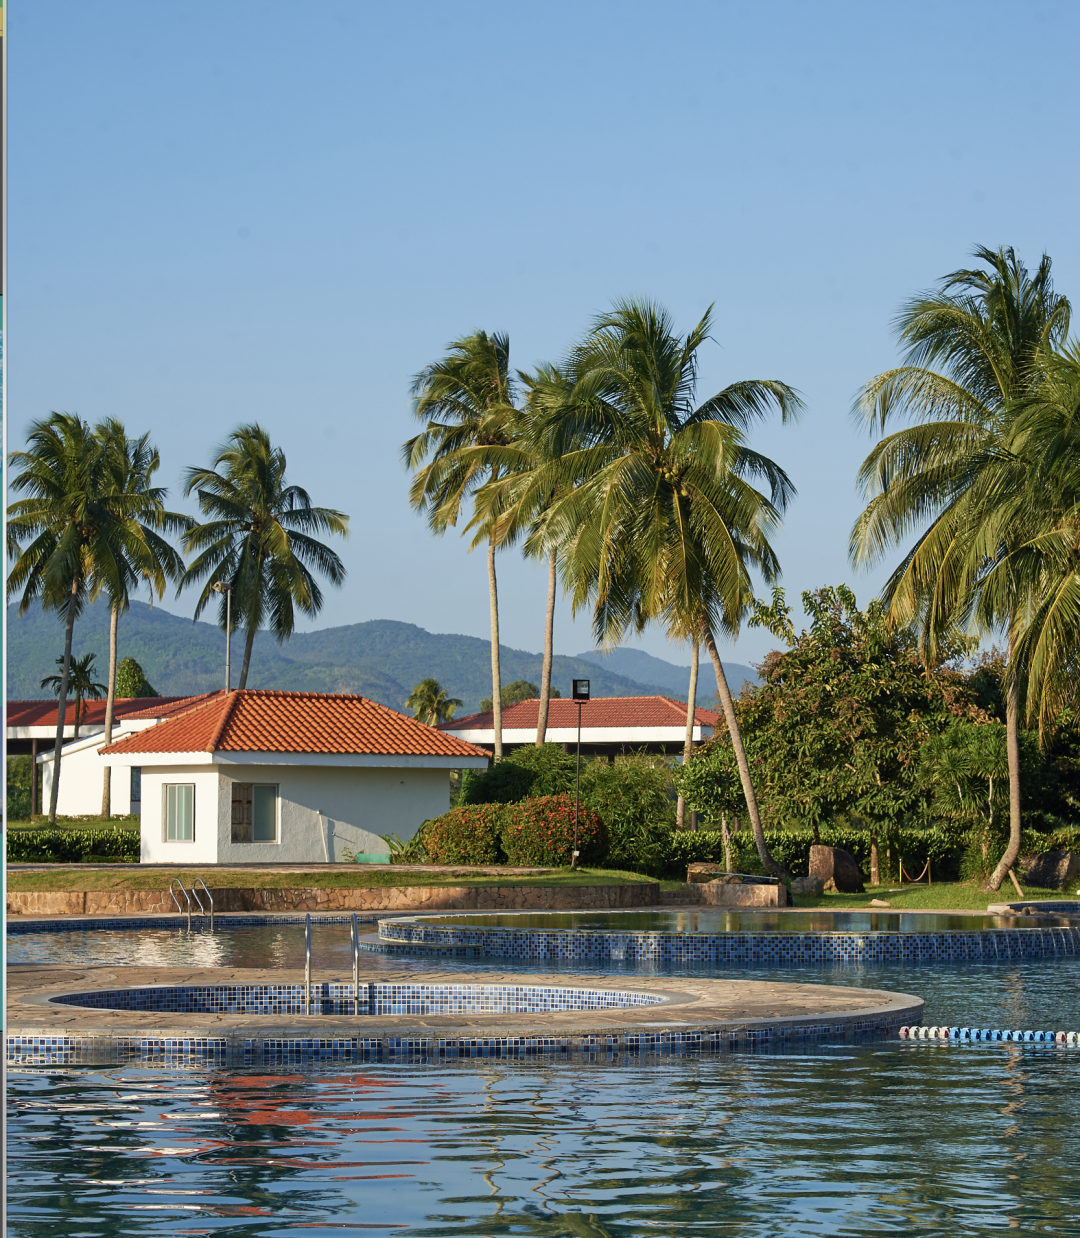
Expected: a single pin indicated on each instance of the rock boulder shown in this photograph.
(1053, 870)
(814, 886)
(837, 869)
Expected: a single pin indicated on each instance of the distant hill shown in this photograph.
(675, 680)
(381, 659)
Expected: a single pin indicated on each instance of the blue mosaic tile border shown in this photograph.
(376, 998)
(237, 1050)
(780, 949)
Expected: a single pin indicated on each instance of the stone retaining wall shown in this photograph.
(363, 898)
(717, 894)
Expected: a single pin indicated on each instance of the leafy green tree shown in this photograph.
(144, 556)
(838, 723)
(657, 516)
(431, 702)
(976, 349)
(467, 400)
(131, 680)
(258, 539)
(966, 768)
(67, 536)
(81, 681)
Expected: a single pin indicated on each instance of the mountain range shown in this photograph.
(381, 659)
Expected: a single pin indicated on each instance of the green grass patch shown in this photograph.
(365, 875)
(76, 823)
(947, 895)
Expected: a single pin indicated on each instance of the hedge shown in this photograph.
(541, 831)
(55, 846)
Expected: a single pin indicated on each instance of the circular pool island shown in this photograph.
(717, 936)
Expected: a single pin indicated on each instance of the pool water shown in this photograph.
(888, 1137)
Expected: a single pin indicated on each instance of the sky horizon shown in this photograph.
(265, 214)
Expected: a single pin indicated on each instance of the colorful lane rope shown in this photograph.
(974, 1033)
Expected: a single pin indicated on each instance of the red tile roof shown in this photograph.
(602, 711)
(43, 713)
(315, 722)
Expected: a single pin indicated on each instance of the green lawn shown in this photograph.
(72, 878)
(942, 894)
(77, 823)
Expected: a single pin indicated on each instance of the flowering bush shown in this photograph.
(466, 835)
(541, 831)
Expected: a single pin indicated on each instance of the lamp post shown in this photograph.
(580, 694)
(220, 587)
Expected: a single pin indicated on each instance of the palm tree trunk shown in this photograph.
(110, 700)
(688, 745)
(250, 640)
(549, 653)
(1012, 743)
(61, 715)
(773, 868)
(496, 675)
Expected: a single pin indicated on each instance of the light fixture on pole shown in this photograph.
(221, 587)
(580, 694)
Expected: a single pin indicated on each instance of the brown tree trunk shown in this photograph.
(875, 866)
(772, 867)
(549, 653)
(110, 700)
(496, 675)
(1012, 743)
(248, 642)
(61, 716)
(688, 743)
(725, 834)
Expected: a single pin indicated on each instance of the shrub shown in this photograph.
(634, 796)
(55, 846)
(541, 831)
(465, 835)
(527, 771)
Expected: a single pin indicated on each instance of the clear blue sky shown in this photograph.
(281, 212)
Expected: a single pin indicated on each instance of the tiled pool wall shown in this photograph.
(375, 998)
(779, 948)
(248, 1049)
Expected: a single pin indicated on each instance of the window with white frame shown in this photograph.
(179, 812)
(254, 812)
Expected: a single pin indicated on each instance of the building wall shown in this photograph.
(82, 776)
(321, 811)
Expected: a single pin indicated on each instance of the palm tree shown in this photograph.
(258, 539)
(1041, 511)
(146, 556)
(467, 401)
(431, 702)
(656, 516)
(81, 681)
(975, 350)
(512, 505)
(67, 536)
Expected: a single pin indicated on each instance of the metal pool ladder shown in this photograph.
(307, 963)
(209, 898)
(187, 898)
(355, 964)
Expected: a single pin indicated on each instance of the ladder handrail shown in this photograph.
(210, 898)
(177, 882)
(307, 963)
(356, 964)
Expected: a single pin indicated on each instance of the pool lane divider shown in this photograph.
(988, 1034)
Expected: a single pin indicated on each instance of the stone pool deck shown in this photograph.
(696, 1015)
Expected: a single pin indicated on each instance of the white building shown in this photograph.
(275, 777)
(609, 725)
